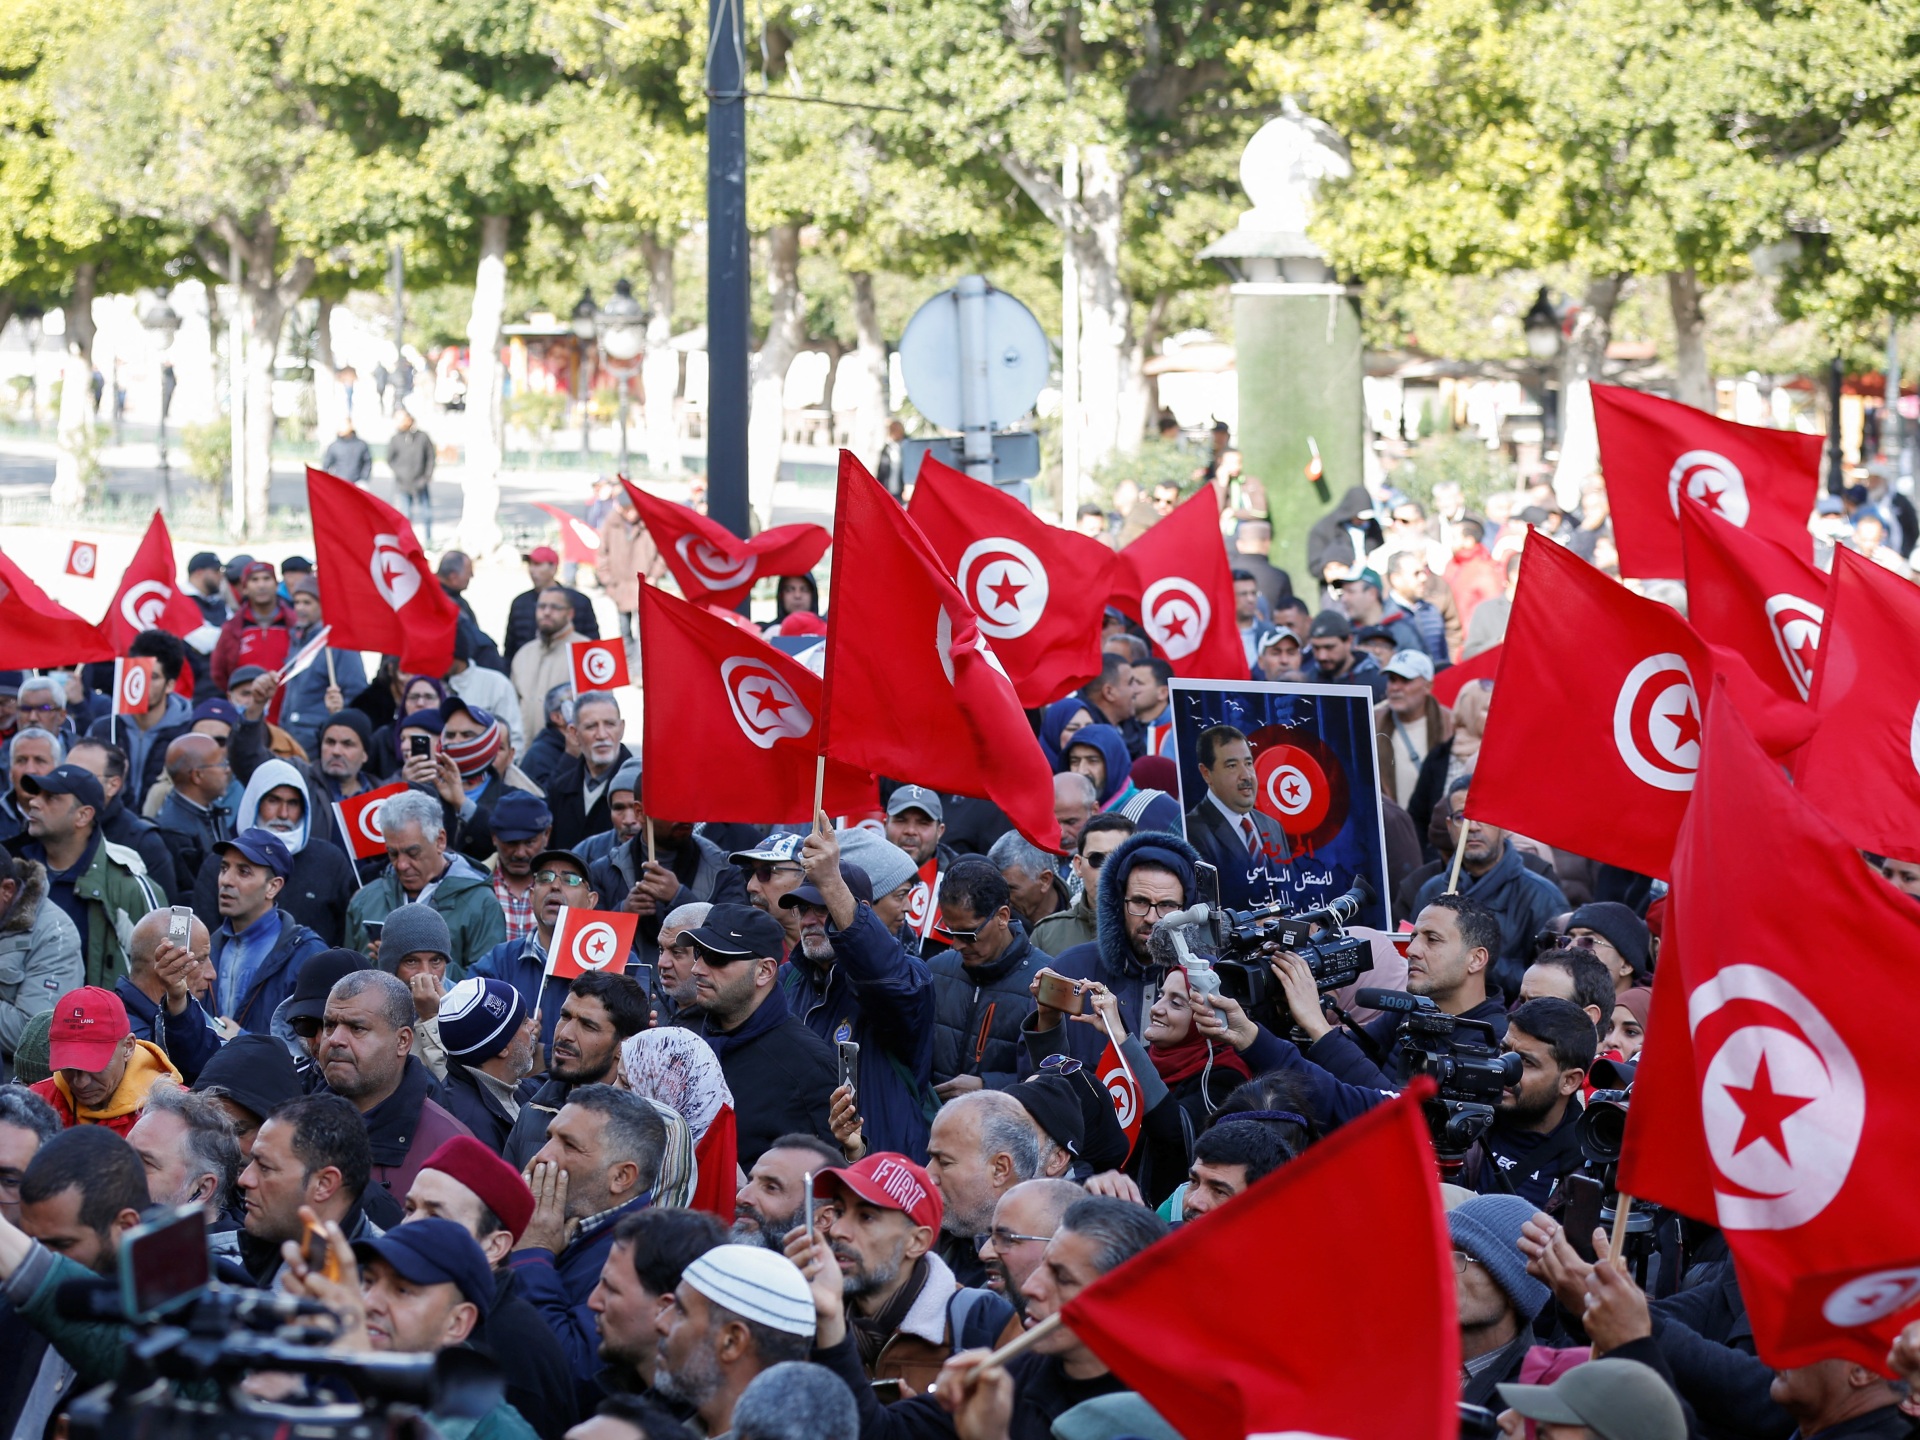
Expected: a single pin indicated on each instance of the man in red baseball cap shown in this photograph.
(101, 1074)
(906, 1311)
(465, 1182)
(543, 564)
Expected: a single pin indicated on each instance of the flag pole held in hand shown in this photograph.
(1617, 1243)
(1459, 854)
(1022, 1342)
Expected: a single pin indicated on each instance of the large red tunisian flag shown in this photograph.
(912, 687)
(148, 597)
(733, 730)
(1653, 450)
(1038, 590)
(1754, 597)
(714, 566)
(1862, 767)
(1176, 582)
(1775, 1095)
(379, 592)
(1310, 1369)
(37, 631)
(1601, 683)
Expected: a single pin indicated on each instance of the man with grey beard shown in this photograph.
(678, 995)
(774, 1199)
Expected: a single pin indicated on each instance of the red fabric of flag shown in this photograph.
(149, 598)
(1754, 597)
(1038, 590)
(1129, 1106)
(1595, 677)
(1653, 450)
(358, 817)
(579, 541)
(1176, 582)
(1774, 1097)
(380, 593)
(710, 563)
(588, 940)
(1862, 767)
(913, 689)
(599, 664)
(1448, 684)
(37, 632)
(732, 726)
(1309, 1368)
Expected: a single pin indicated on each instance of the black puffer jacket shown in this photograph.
(978, 1013)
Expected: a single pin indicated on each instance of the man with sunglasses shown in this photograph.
(982, 986)
(560, 882)
(771, 869)
(1099, 838)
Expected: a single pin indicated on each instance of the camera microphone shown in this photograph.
(1397, 1001)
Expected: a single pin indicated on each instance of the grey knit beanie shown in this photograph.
(1487, 1227)
(411, 929)
(886, 864)
(627, 777)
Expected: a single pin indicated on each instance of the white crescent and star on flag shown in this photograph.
(1713, 480)
(1006, 584)
(1656, 723)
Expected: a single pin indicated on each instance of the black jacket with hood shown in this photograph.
(1329, 541)
(978, 1013)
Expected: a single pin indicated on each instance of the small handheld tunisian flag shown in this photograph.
(133, 684)
(1038, 589)
(1775, 1096)
(1754, 597)
(359, 819)
(599, 665)
(381, 594)
(1595, 675)
(1653, 450)
(1129, 1105)
(1176, 582)
(1302, 1369)
(83, 559)
(588, 940)
(912, 688)
(148, 598)
(36, 631)
(579, 541)
(713, 565)
(1862, 767)
(751, 712)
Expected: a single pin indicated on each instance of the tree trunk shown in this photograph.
(269, 295)
(1690, 339)
(1108, 387)
(329, 400)
(660, 370)
(786, 333)
(74, 462)
(479, 528)
(867, 382)
(1582, 358)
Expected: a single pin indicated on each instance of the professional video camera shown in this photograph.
(1590, 1197)
(194, 1341)
(1463, 1057)
(1242, 942)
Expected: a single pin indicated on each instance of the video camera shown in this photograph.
(193, 1341)
(1241, 942)
(1463, 1057)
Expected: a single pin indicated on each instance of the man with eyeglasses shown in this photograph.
(196, 816)
(1493, 873)
(1023, 1222)
(1144, 879)
(560, 882)
(850, 978)
(42, 705)
(1097, 840)
(770, 870)
(1496, 1298)
(982, 986)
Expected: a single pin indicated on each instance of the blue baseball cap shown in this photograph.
(262, 847)
(520, 816)
(224, 711)
(434, 1252)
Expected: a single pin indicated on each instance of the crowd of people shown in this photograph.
(841, 1124)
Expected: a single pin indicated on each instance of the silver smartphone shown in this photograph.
(808, 1180)
(850, 1066)
(180, 926)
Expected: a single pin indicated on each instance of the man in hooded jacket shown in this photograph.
(322, 880)
(1099, 752)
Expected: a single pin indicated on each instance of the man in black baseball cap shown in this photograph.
(781, 1073)
(206, 584)
(102, 887)
(303, 1009)
(1335, 661)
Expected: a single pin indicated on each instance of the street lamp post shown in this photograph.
(1542, 325)
(623, 335)
(586, 318)
(164, 321)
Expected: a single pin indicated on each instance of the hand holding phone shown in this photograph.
(317, 1254)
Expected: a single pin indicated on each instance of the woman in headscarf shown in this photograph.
(415, 695)
(1057, 725)
(678, 1069)
(796, 594)
(1182, 1076)
(1446, 763)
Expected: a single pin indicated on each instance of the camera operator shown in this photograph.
(1535, 1135)
(1455, 940)
(417, 1290)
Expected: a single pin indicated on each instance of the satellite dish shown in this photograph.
(1018, 359)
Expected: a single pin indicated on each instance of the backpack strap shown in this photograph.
(975, 1318)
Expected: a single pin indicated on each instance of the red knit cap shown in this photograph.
(497, 1183)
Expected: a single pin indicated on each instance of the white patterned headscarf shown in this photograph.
(677, 1068)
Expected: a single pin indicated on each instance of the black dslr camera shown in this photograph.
(1241, 942)
(1463, 1057)
(191, 1342)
